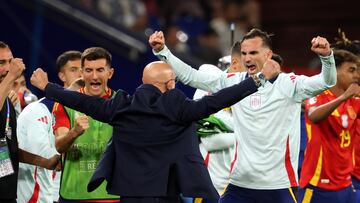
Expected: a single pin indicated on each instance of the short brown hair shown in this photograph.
(65, 57)
(236, 48)
(95, 53)
(255, 32)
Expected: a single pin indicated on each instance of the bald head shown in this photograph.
(159, 74)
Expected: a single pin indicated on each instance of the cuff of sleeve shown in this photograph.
(162, 54)
(328, 59)
(262, 78)
(49, 89)
(259, 79)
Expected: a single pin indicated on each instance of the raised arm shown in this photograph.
(98, 108)
(321, 46)
(303, 87)
(16, 68)
(319, 113)
(327, 76)
(202, 108)
(199, 109)
(185, 73)
(64, 136)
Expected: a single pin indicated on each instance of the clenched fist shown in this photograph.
(81, 124)
(320, 46)
(16, 68)
(271, 69)
(39, 79)
(157, 41)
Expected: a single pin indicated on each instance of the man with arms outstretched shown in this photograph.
(153, 155)
(267, 123)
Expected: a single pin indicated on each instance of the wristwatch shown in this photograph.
(259, 79)
(262, 78)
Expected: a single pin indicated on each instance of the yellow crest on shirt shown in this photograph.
(351, 112)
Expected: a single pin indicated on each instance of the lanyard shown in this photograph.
(7, 125)
(7, 114)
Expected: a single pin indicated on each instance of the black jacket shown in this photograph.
(154, 149)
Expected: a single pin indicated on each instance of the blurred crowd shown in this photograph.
(199, 27)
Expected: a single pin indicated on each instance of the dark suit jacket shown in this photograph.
(154, 143)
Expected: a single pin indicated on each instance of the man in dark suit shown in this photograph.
(153, 155)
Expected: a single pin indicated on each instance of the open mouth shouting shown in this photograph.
(95, 85)
(95, 88)
(251, 68)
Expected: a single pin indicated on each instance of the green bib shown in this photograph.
(82, 159)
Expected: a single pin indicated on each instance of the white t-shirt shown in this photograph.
(35, 135)
(267, 123)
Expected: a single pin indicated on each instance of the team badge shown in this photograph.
(255, 101)
(351, 112)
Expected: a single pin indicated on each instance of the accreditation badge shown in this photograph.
(8, 132)
(6, 167)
